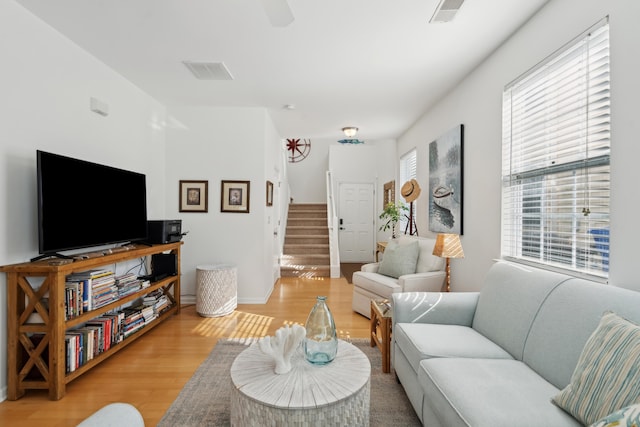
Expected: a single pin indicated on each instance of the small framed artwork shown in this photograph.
(269, 193)
(389, 193)
(234, 196)
(194, 196)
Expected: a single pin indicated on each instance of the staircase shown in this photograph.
(306, 243)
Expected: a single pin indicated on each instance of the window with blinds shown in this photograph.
(407, 172)
(555, 164)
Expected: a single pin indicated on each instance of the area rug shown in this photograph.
(205, 399)
(348, 268)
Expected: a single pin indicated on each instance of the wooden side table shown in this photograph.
(381, 314)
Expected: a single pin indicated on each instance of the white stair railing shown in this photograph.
(332, 224)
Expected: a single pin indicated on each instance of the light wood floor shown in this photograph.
(150, 372)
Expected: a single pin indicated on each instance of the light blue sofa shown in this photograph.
(497, 357)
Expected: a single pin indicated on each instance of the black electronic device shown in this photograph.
(83, 204)
(164, 231)
(163, 265)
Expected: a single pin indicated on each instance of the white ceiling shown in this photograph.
(374, 64)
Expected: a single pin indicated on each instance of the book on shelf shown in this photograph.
(90, 290)
(89, 274)
(129, 284)
(89, 281)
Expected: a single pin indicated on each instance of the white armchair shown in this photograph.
(405, 270)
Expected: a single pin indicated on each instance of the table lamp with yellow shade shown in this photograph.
(448, 246)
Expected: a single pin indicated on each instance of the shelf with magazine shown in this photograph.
(56, 332)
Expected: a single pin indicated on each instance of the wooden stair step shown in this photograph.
(307, 222)
(308, 248)
(306, 239)
(305, 271)
(308, 231)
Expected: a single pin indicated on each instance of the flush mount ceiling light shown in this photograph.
(350, 131)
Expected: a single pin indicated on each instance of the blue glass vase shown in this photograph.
(321, 341)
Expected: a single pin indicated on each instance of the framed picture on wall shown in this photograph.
(194, 196)
(445, 182)
(235, 196)
(389, 193)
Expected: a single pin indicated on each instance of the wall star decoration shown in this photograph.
(298, 151)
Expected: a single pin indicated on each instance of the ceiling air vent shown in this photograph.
(209, 70)
(446, 10)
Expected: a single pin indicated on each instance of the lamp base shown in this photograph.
(448, 270)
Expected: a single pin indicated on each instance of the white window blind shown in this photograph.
(408, 166)
(555, 165)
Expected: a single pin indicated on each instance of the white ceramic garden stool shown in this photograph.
(217, 289)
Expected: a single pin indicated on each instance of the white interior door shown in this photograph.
(356, 221)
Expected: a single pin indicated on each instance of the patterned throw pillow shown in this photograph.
(625, 417)
(607, 376)
(399, 260)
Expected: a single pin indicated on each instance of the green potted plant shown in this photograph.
(391, 215)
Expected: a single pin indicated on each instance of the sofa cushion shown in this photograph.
(420, 341)
(629, 416)
(509, 302)
(399, 259)
(427, 261)
(607, 376)
(565, 321)
(383, 286)
(489, 393)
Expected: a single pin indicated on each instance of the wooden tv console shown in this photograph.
(24, 299)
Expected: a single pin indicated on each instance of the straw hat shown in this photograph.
(410, 190)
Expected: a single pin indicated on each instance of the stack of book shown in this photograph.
(133, 320)
(149, 314)
(129, 283)
(158, 300)
(88, 290)
(103, 290)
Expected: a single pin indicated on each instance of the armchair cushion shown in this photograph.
(427, 261)
(380, 285)
(399, 259)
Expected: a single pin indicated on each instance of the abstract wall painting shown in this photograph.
(445, 182)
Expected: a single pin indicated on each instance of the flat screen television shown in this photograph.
(83, 204)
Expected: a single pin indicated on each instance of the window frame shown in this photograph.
(559, 174)
(408, 170)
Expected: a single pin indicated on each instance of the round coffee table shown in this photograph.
(332, 394)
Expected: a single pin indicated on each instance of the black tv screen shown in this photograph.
(83, 204)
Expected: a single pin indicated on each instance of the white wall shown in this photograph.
(45, 88)
(218, 144)
(306, 177)
(477, 101)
